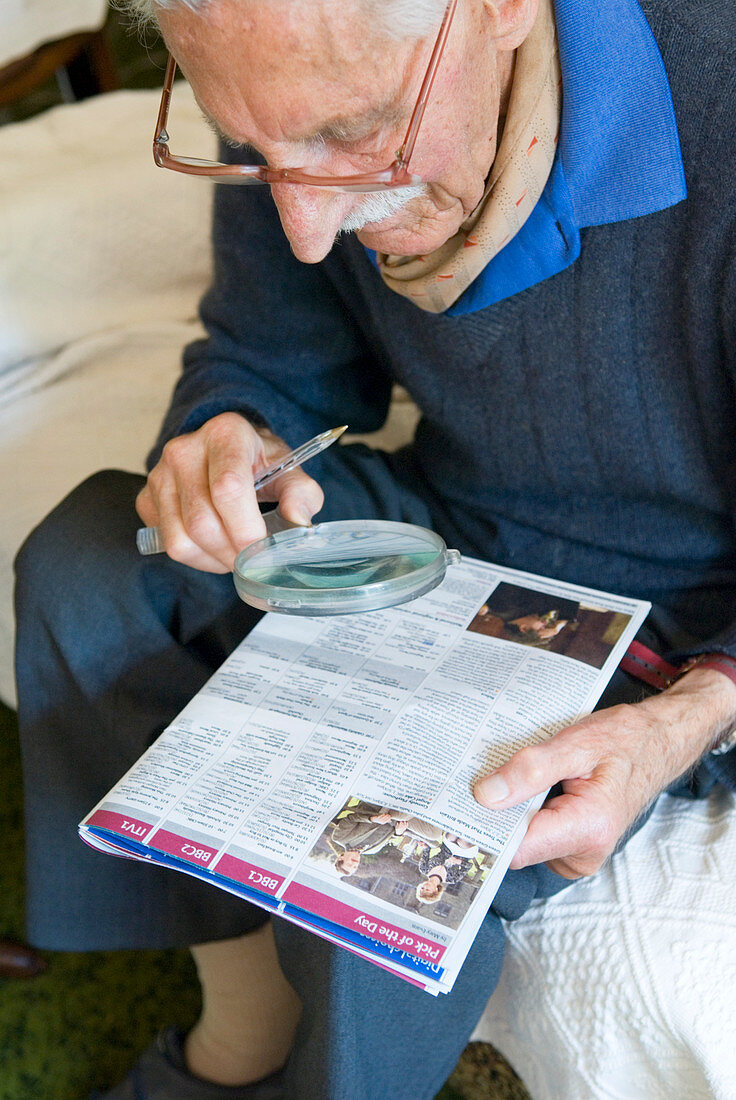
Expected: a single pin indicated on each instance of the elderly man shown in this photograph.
(552, 242)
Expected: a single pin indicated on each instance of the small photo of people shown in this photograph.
(545, 621)
(401, 859)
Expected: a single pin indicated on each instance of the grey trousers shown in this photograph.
(110, 647)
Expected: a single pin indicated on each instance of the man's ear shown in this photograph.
(511, 21)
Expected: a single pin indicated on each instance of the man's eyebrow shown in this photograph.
(347, 128)
(232, 142)
(354, 127)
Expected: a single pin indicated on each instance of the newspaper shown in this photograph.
(325, 771)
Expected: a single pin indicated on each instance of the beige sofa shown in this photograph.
(102, 261)
(624, 986)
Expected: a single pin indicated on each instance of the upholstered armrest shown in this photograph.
(101, 267)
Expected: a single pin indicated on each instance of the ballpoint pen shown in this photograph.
(148, 539)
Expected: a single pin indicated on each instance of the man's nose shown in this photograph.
(311, 218)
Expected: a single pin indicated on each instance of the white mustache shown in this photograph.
(379, 205)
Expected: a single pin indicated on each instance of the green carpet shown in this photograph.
(82, 1023)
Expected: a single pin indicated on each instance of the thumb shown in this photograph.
(299, 496)
(536, 768)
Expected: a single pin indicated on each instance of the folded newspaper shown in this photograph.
(325, 771)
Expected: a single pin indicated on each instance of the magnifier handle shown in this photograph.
(149, 539)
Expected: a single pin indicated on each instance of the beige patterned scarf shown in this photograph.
(518, 177)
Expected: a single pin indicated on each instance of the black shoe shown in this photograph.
(161, 1074)
(19, 961)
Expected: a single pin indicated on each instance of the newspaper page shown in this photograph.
(325, 771)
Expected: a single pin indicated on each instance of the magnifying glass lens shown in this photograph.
(342, 567)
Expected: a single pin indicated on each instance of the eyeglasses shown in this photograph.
(396, 175)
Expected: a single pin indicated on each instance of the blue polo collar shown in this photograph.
(618, 155)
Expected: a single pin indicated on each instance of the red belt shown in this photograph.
(648, 666)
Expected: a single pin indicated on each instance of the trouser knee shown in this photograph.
(83, 541)
(89, 606)
(74, 576)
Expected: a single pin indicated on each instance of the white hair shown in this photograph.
(396, 18)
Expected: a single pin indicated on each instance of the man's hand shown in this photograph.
(611, 765)
(200, 493)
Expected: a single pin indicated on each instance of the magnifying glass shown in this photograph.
(333, 568)
(340, 567)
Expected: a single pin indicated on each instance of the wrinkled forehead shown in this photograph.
(282, 65)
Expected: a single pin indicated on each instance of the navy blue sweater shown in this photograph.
(583, 429)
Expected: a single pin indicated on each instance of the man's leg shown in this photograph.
(249, 1011)
(368, 1035)
(110, 647)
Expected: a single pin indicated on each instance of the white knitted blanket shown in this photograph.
(623, 987)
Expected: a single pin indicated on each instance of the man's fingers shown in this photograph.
(176, 500)
(610, 764)
(230, 487)
(201, 492)
(298, 494)
(146, 508)
(535, 769)
(203, 533)
(179, 544)
(574, 834)
(181, 548)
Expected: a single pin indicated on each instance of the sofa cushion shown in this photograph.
(103, 259)
(93, 237)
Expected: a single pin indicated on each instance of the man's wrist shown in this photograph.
(721, 662)
(725, 740)
(709, 699)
